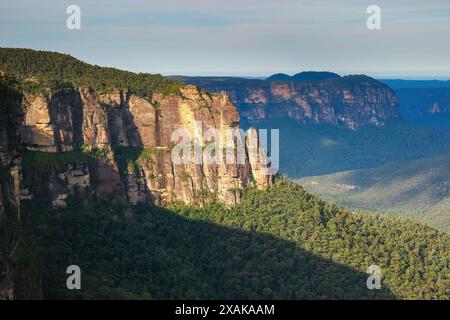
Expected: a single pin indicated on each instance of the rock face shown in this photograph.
(10, 117)
(80, 144)
(418, 102)
(351, 101)
(118, 144)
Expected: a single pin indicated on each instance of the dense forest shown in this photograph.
(311, 150)
(43, 70)
(281, 243)
(416, 189)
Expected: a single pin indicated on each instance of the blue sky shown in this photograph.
(240, 37)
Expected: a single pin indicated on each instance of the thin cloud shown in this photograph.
(239, 37)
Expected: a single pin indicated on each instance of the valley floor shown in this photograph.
(418, 189)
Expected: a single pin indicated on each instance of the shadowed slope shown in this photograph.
(282, 243)
(166, 256)
(417, 189)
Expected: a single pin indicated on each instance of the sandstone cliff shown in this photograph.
(84, 143)
(17, 277)
(10, 180)
(351, 101)
(78, 144)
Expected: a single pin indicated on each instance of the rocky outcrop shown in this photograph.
(120, 144)
(417, 102)
(79, 144)
(62, 143)
(10, 117)
(351, 101)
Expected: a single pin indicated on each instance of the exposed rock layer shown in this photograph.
(125, 144)
(79, 144)
(351, 101)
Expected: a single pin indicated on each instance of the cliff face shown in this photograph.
(351, 101)
(120, 144)
(418, 102)
(78, 144)
(10, 115)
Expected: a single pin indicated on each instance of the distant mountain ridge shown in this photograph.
(422, 84)
(308, 98)
(95, 144)
(279, 77)
(304, 76)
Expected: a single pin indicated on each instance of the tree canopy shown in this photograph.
(281, 243)
(39, 70)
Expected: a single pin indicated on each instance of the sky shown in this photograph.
(240, 37)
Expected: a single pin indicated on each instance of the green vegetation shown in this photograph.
(281, 243)
(418, 189)
(10, 102)
(44, 161)
(314, 76)
(185, 176)
(312, 150)
(278, 243)
(38, 164)
(43, 70)
(319, 78)
(132, 158)
(204, 196)
(97, 154)
(17, 247)
(14, 239)
(212, 82)
(172, 88)
(128, 158)
(425, 105)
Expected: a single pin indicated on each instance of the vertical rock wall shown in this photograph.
(10, 117)
(122, 146)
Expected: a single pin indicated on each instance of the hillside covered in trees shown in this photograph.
(417, 189)
(282, 243)
(312, 150)
(41, 70)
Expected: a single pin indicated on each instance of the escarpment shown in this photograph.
(351, 101)
(9, 184)
(75, 133)
(83, 144)
(82, 132)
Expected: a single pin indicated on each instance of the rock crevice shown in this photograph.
(122, 144)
